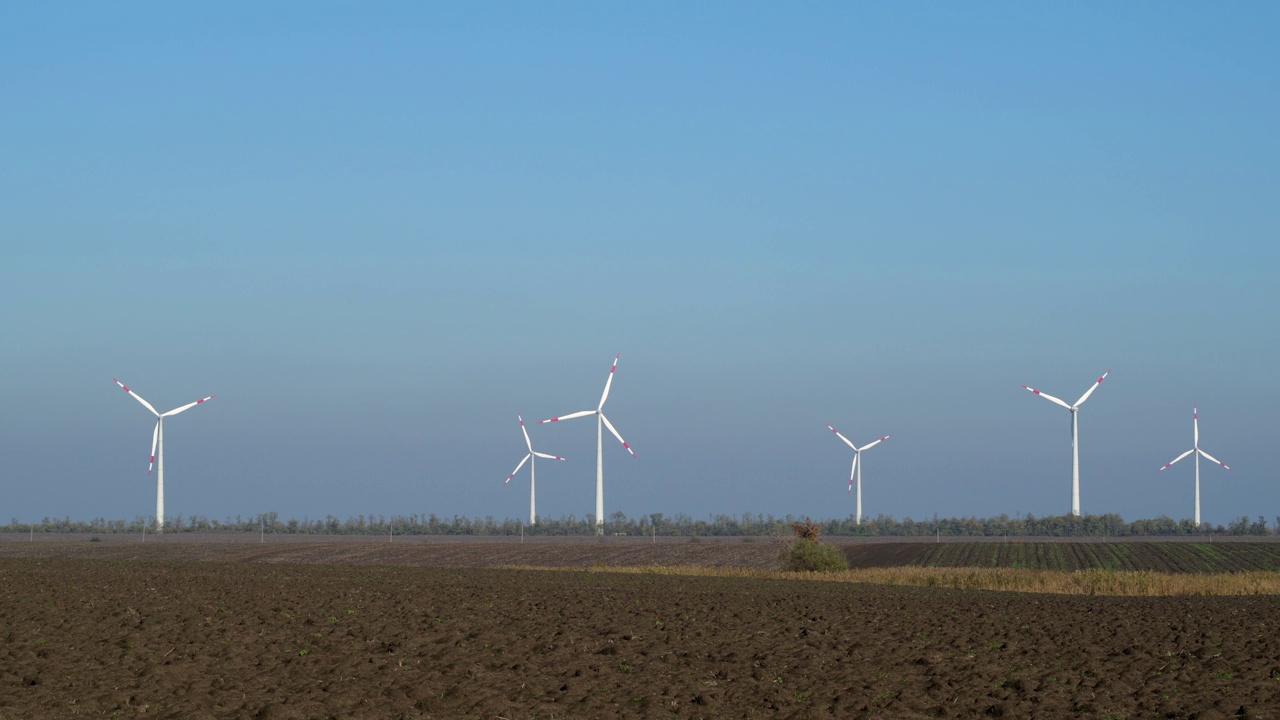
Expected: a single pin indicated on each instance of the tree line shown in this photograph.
(678, 525)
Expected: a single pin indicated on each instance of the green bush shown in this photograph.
(812, 556)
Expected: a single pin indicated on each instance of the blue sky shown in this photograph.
(379, 233)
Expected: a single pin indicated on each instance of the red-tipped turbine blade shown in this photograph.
(188, 406)
(570, 416)
(155, 438)
(877, 442)
(1047, 396)
(845, 439)
(1171, 462)
(607, 383)
(513, 472)
(137, 397)
(1089, 392)
(1211, 458)
(615, 434)
(527, 442)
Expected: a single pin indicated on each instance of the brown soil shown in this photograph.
(1167, 557)
(434, 552)
(240, 636)
(755, 553)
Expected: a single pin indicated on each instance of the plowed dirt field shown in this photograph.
(756, 553)
(1167, 557)
(237, 637)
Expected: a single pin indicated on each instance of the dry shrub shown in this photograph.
(807, 531)
(805, 553)
(810, 556)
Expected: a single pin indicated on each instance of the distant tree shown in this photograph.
(618, 523)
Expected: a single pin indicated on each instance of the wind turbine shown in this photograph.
(601, 423)
(532, 459)
(1075, 437)
(157, 446)
(1195, 448)
(856, 470)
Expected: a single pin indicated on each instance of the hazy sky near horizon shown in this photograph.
(379, 232)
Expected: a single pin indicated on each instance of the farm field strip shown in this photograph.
(1165, 557)
(753, 553)
(1121, 583)
(166, 639)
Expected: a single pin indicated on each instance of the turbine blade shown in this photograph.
(1089, 392)
(609, 382)
(570, 416)
(615, 434)
(868, 447)
(549, 457)
(852, 470)
(155, 438)
(845, 439)
(513, 472)
(527, 441)
(1195, 425)
(1047, 396)
(1211, 458)
(188, 406)
(138, 397)
(1171, 462)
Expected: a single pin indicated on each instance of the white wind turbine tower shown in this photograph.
(1195, 448)
(532, 459)
(1075, 437)
(157, 446)
(601, 423)
(856, 470)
